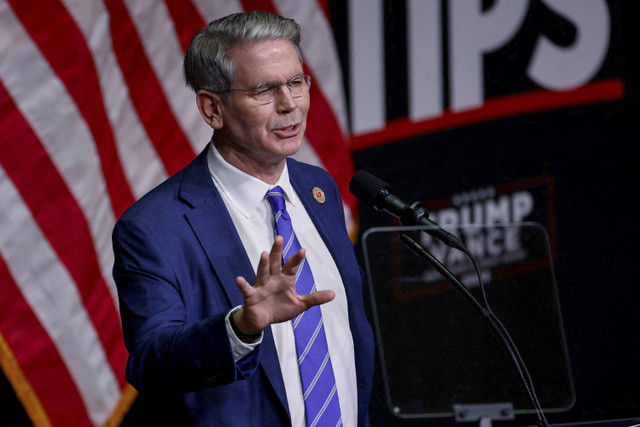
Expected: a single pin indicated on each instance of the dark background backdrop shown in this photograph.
(592, 154)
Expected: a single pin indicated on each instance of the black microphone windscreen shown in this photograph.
(366, 187)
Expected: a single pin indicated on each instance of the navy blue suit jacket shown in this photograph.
(177, 255)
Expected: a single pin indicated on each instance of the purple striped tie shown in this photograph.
(321, 403)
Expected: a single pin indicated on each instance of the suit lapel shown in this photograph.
(326, 217)
(320, 213)
(214, 229)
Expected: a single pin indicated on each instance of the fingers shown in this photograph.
(270, 264)
(263, 273)
(318, 297)
(275, 256)
(275, 259)
(244, 286)
(291, 266)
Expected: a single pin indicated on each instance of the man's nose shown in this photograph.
(285, 100)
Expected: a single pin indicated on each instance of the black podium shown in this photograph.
(439, 357)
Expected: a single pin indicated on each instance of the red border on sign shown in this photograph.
(493, 109)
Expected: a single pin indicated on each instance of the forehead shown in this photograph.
(266, 60)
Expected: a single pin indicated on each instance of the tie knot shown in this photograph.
(275, 196)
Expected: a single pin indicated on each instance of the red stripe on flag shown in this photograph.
(70, 57)
(61, 220)
(38, 358)
(146, 91)
(186, 19)
(265, 5)
(323, 131)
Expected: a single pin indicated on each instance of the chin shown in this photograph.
(291, 146)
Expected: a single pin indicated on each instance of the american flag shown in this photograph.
(94, 112)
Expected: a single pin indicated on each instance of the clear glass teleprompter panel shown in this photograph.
(437, 351)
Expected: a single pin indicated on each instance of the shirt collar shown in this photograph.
(244, 191)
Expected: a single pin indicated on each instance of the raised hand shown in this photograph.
(274, 299)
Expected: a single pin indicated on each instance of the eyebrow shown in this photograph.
(276, 83)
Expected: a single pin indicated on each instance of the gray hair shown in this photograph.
(207, 64)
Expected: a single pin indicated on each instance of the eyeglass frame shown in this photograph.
(272, 85)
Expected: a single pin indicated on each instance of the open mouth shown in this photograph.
(288, 131)
(292, 127)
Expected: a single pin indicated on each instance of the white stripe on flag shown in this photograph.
(134, 146)
(210, 10)
(55, 119)
(161, 44)
(52, 295)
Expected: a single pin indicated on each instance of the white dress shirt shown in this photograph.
(244, 197)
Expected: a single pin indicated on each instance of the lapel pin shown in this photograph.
(318, 194)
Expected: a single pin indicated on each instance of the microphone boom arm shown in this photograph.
(490, 318)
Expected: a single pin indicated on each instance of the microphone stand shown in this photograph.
(494, 323)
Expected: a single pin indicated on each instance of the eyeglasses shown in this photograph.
(267, 92)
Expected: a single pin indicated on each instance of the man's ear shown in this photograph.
(209, 104)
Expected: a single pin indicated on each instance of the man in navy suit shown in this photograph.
(206, 302)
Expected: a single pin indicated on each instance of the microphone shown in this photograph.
(379, 195)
